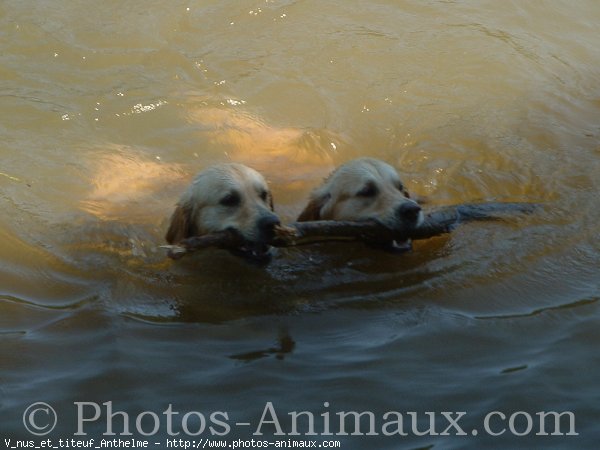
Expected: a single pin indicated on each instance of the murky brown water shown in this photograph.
(108, 108)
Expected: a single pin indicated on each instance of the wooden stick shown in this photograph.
(437, 222)
(220, 239)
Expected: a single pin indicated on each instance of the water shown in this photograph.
(108, 109)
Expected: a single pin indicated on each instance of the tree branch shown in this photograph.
(440, 221)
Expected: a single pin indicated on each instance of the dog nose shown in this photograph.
(266, 224)
(409, 211)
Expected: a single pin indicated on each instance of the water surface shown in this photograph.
(108, 108)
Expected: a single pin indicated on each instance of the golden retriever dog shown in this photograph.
(127, 186)
(223, 197)
(363, 189)
(293, 159)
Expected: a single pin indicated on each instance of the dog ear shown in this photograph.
(182, 225)
(313, 209)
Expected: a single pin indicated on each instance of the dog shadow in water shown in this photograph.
(213, 286)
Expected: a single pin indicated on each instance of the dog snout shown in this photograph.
(409, 212)
(266, 224)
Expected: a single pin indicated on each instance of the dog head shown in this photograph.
(364, 189)
(227, 197)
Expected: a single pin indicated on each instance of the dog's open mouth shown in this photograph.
(254, 252)
(394, 246)
(399, 246)
(388, 240)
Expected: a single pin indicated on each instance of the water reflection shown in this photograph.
(470, 102)
(285, 345)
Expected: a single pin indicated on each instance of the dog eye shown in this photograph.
(370, 190)
(231, 199)
(263, 195)
(402, 189)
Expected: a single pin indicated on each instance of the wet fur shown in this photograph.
(201, 210)
(338, 198)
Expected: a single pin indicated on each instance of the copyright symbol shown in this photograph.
(39, 418)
